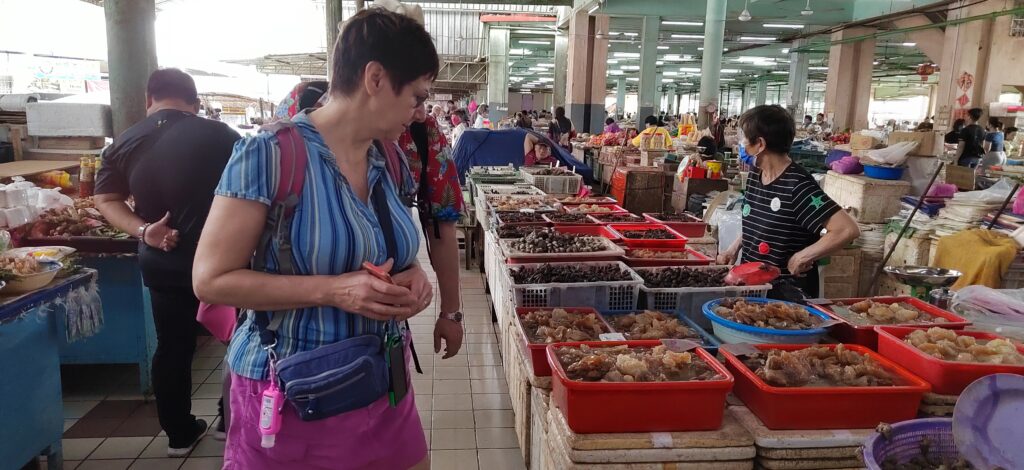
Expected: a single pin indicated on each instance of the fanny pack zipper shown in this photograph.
(333, 389)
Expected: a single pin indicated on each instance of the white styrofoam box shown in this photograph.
(58, 119)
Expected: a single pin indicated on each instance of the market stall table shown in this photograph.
(30, 340)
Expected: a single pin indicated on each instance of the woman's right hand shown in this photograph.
(363, 294)
(725, 258)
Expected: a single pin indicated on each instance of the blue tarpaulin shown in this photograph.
(483, 147)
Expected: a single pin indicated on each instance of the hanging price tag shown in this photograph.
(679, 345)
(612, 337)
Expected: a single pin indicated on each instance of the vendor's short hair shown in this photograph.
(651, 120)
(400, 44)
(609, 121)
(172, 83)
(772, 123)
(975, 114)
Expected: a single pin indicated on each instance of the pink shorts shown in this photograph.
(375, 437)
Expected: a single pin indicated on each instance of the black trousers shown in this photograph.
(174, 314)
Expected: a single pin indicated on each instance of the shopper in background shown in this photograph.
(971, 140)
(808, 122)
(953, 136)
(536, 150)
(460, 127)
(170, 163)
(653, 131)
(785, 210)
(482, 121)
(610, 126)
(438, 113)
(566, 132)
(994, 138)
(439, 202)
(384, 64)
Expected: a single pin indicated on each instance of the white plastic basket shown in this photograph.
(484, 190)
(689, 300)
(609, 295)
(609, 250)
(555, 184)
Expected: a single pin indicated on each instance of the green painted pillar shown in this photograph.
(796, 91)
(561, 67)
(761, 92)
(497, 73)
(711, 66)
(648, 97)
(334, 17)
(131, 58)
(620, 96)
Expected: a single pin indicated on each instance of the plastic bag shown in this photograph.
(730, 228)
(1018, 204)
(1000, 311)
(894, 155)
(848, 165)
(995, 194)
(942, 190)
(53, 199)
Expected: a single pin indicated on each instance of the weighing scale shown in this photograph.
(922, 279)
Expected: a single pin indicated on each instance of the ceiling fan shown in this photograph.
(745, 14)
(807, 9)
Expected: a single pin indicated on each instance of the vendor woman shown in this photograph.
(788, 221)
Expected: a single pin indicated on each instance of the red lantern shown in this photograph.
(924, 70)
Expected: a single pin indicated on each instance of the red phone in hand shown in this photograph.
(377, 272)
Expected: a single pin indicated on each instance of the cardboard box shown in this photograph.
(862, 142)
(961, 176)
(929, 143)
(639, 190)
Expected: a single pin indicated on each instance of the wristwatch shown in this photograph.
(455, 317)
(140, 233)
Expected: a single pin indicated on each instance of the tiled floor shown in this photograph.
(463, 403)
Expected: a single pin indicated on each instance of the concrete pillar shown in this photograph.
(598, 78)
(497, 73)
(620, 96)
(659, 100)
(761, 92)
(131, 55)
(796, 92)
(967, 79)
(748, 96)
(714, 35)
(678, 100)
(647, 92)
(561, 67)
(334, 15)
(848, 87)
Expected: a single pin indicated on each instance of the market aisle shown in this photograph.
(463, 402)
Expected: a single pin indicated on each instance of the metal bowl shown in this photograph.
(923, 275)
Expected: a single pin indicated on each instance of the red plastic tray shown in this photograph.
(946, 377)
(695, 258)
(613, 208)
(678, 242)
(590, 231)
(846, 332)
(695, 229)
(827, 407)
(599, 218)
(586, 221)
(597, 407)
(538, 355)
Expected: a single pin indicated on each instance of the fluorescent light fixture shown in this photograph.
(875, 63)
(817, 68)
(520, 52)
(683, 23)
(630, 67)
(731, 70)
(724, 49)
(727, 79)
(757, 38)
(616, 72)
(534, 31)
(626, 54)
(909, 44)
(547, 79)
(667, 80)
(690, 69)
(528, 41)
(785, 51)
(753, 60)
(687, 36)
(545, 65)
(632, 35)
(663, 48)
(633, 79)
(686, 84)
(670, 73)
(659, 62)
(783, 26)
(780, 72)
(615, 33)
(626, 41)
(613, 61)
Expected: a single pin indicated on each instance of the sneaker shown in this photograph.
(180, 452)
(219, 432)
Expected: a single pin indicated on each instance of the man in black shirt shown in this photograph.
(170, 163)
(972, 139)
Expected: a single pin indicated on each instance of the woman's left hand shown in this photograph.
(451, 332)
(416, 281)
(800, 263)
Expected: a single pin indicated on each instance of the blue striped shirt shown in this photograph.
(333, 232)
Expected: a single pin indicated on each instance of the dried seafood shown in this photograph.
(624, 364)
(949, 346)
(653, 254)
(553, 171)
(520, 217)
(569, 273)
(20, 265)
(518, 231)
(558, 325)
(570, 218)
(777, 315)
(868, 312)
(584, 200)
(683, 277)
(652, 325)
(818, 366)
(507, 203)
(677, 217)
(652, 234)
(590, 209)
(548, 241)
(617, 218)
(927, 460)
